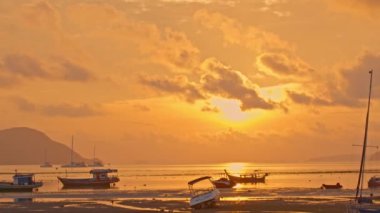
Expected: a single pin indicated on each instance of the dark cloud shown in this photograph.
(217, 80)
(74, 72)
(24, 65)
(303, 98)
(16, 67)
(179, 85)
(356, 78)
(23, 104)
(69, 110)
(62, 109)
(283, 65)
(223, 81)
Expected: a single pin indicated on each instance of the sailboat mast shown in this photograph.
(72, 149)
(94, 156)
(359, 186)
(45, 156)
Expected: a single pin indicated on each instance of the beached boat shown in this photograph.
(223, 183)
(247, 178)
(21, 183)
(203, 198)
(331, 186)
(360, 203)
(374, 182)
(99, 179)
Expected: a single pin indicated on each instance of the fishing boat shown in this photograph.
(46, 164)
(331, 186)
(360, 203)
(99, 179)
(21, 183)
(374, 182)
(223, 183)
(247, 178)
(73, 164)
(203, 198)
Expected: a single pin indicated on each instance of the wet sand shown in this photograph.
(175, 202)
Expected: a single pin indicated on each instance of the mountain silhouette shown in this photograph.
(22, 145)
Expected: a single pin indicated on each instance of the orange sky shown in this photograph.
(179, 81)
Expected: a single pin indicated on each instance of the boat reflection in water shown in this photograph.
(99, 179)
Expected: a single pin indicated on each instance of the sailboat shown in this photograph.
(95, 162)
(72, 163)
(364, 204)
(46, 164)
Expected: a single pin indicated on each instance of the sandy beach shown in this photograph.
(313, 200)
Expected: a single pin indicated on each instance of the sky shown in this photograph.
(193, 81)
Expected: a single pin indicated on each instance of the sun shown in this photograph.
(230, 110)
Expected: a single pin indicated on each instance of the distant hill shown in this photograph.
(336, 158)
(23, 145)
(345, 158)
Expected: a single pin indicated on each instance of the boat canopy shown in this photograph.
(93, 171)
(198, 180)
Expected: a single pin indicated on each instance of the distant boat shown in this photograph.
(46, 164)
(223, 183)
(331, 186)
(21, 183)
(96, 163)
(374, 182)
(100, 179)
(247, 178)
(364, 204)
(203, 198)
(73, 164)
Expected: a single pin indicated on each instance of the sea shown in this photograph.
(296, 176)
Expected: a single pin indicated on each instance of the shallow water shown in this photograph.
(284, 179)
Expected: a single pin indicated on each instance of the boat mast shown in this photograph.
(45, 155)
(359, 187)
(72, 149)
(94, 156)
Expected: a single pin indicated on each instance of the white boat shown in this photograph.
(46, 164)
(95, 162)
(203, 198)
(73, 164)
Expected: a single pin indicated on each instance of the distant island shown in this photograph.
(344, 158)
(22, 145)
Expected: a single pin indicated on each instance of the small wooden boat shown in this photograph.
(205, 198)
(100, 179)
(223, 183)
(21, 183)
(249, 178)
(334, 186)
(374, 182)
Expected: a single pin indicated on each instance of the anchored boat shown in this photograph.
(100, 179)
(249, 178)
(21, 183)
(203, 198)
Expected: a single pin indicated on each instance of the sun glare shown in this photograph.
(236, 167)
(230, 110)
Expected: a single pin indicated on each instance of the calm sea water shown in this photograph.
(175, 177)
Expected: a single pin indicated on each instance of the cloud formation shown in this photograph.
(217, 80)
(61, 109)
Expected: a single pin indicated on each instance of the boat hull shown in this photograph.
(87, 182)
(205, 200)
(374, 182)
(10, 187)
(223, 183)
